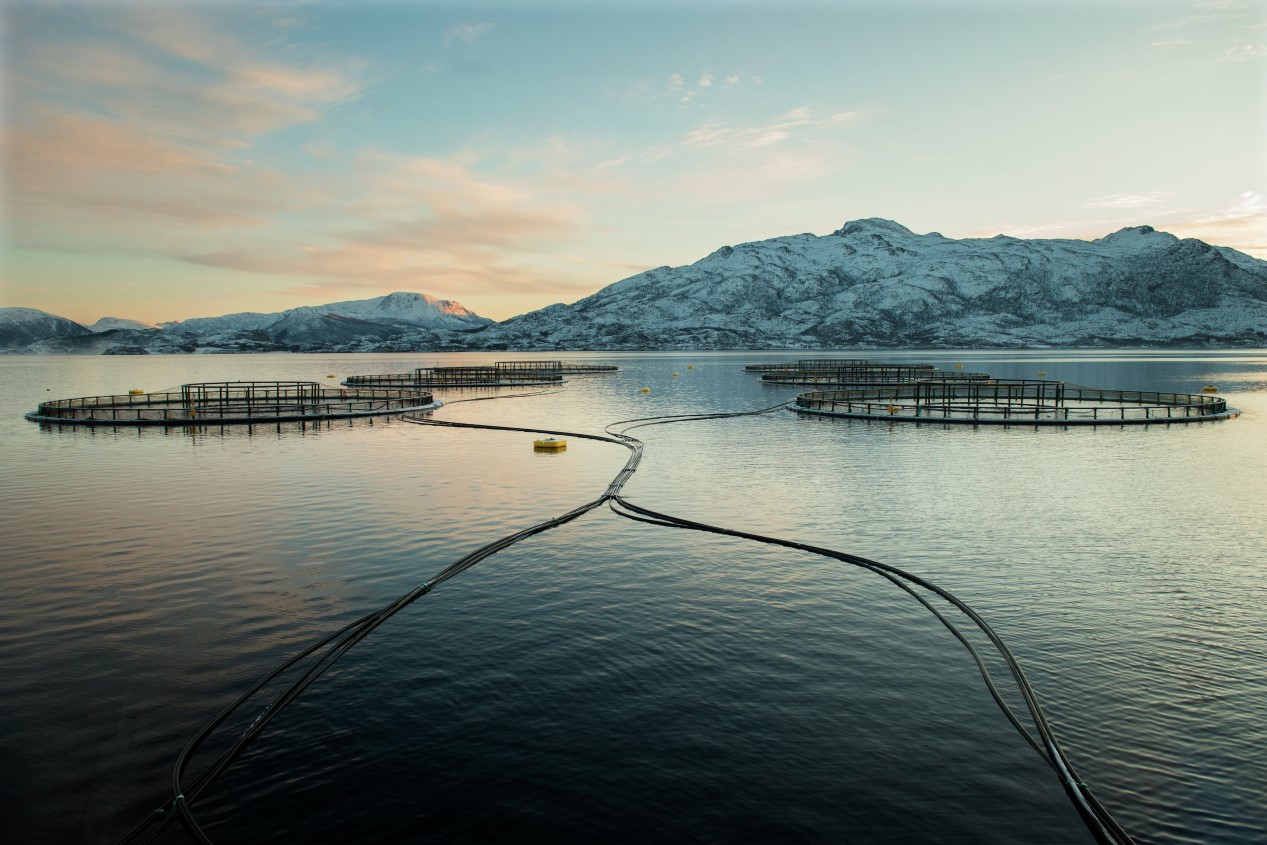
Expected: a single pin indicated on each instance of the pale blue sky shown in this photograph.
(165, 161)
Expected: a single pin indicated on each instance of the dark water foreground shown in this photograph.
(610, 681)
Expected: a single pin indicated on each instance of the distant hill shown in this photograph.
(106, 324)
(874, 283)
(398, 321)
(871, 284)
(22, 326)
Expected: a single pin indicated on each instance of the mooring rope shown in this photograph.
(332, 647)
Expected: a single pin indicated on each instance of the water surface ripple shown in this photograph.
(620, 682)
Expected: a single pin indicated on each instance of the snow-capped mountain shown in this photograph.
(397, 321)
(875, 283)
(22, 326)
(400, 309)
(872, 283)
(107, 324)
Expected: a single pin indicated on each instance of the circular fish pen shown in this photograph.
(1013, 402)
(441, 377)
(499, 374)
(232, 402)
(870, 375)
(563, 368)
(807, 365)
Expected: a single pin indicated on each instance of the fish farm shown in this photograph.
(232, 402)
(880, 391)
(499, 374)
(876, 390)
(867, 375)
(1013, 402)
(806, 365)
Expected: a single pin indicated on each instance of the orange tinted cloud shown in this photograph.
(74, 168)
(431, 224)
(130, 134)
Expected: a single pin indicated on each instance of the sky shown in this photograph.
(170, 160)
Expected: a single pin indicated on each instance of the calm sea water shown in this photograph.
(612, 681)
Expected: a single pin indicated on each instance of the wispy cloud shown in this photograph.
(1243, 51)
(1151, 199)
(1170, 42)
(1186, 21)
(1080, 229)
(431, 222)
(776, 131)
(175, 74)
(1242, 224)
(1249, 209)
(136, 132)
(1206, 13)
(675, 86)
(467, 33)
(81, 176)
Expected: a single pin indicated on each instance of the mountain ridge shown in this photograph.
(872, 283)
(403, 318)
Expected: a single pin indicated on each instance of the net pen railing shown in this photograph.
(866, 376)
(1021, 401)
(810, 364)
(472, 376)
(514, 367)
(232, 400)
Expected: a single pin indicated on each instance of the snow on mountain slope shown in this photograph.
(114, 342)
(875, 283)
(872, 283)
(402, 309)
(401, 321)
(22, 326)
(106, 324)
(415, 309)
(312, 326)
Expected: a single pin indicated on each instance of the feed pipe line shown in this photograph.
(1097, 819)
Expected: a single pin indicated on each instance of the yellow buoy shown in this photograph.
(958, 366)
(646, 390)
(1209, 388)
(136, 391)
(690, 366)
(675, 375)
(331, 375)
(550, 444)
(1042, 372)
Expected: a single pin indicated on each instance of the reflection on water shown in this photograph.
(617, 681)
